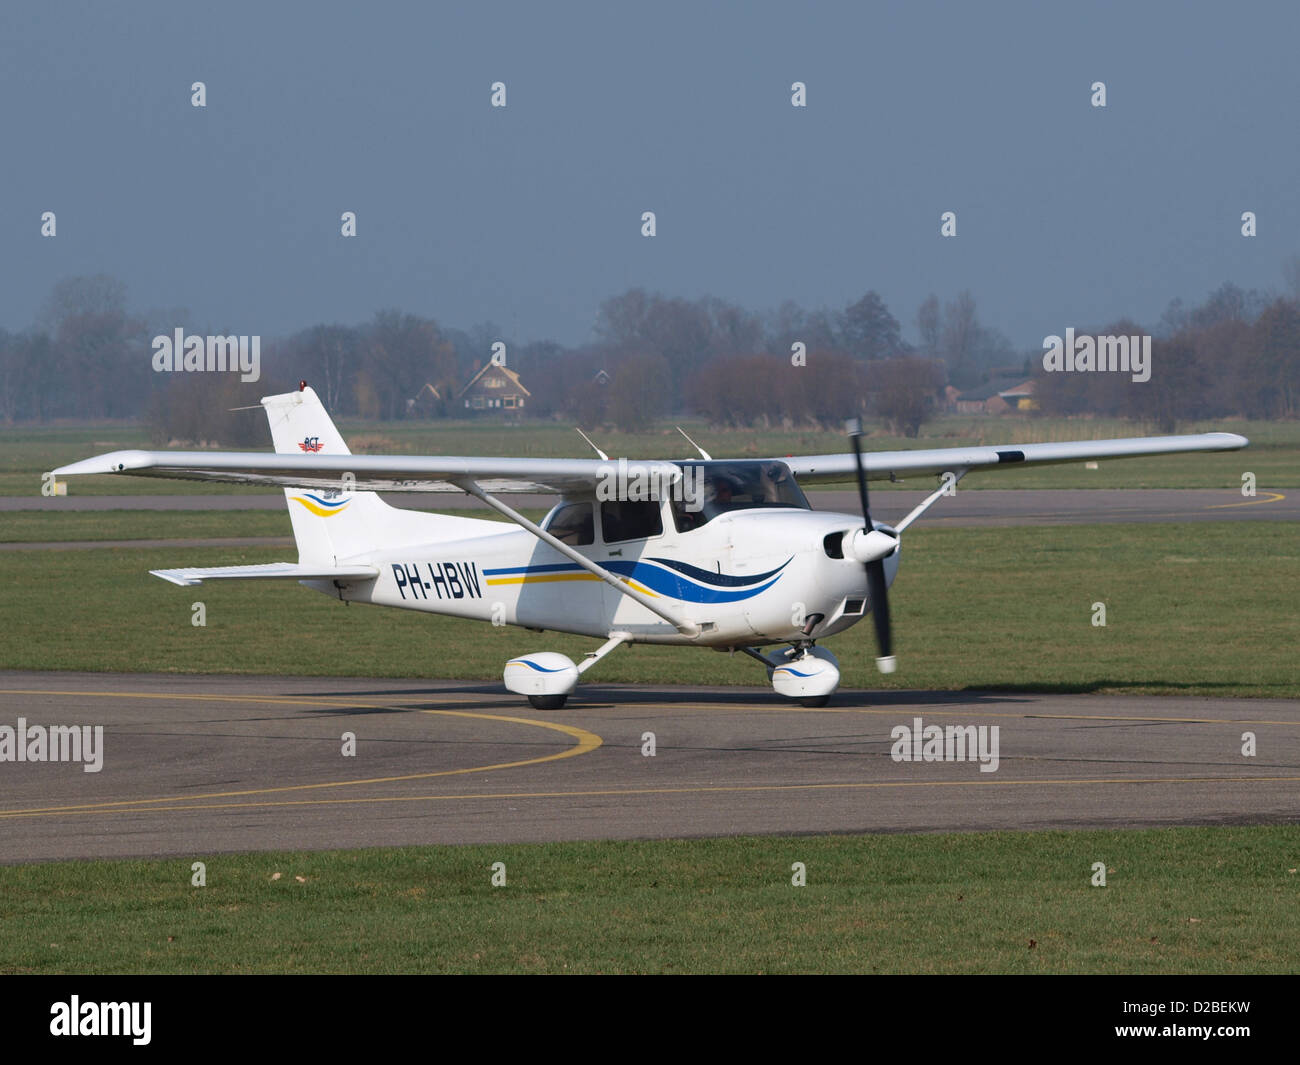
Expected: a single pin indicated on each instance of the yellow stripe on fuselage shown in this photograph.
(546, 578)
(543, 578)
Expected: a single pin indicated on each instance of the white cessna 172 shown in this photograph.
(725, 554)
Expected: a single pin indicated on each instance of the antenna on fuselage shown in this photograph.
(703, 454)
(596, 449)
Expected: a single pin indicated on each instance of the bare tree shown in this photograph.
(929, 323)
(635, 393)
(868, 330)
(1277, 341)
(960, 333)
(904, 392)
(404, 353)
(1291, 276)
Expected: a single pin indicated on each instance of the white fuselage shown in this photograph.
(747, 577)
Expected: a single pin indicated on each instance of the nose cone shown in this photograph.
(871, 546)
(891, 567)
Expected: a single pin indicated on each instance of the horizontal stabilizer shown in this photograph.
(269, 571)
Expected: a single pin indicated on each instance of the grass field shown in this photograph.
(1205, 609)
(1183, 900)
(28, 526)
(43, 526)
(1274, 455)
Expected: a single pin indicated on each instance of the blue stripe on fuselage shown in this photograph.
(661, 580)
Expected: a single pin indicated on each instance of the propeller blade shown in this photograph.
(876, 583)
(855, 433)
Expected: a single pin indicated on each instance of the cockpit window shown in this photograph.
(713, 488)
(574, 525)
(627, 520)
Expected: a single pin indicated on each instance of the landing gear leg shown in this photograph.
(548, 678)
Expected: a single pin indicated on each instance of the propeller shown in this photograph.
(871, 546)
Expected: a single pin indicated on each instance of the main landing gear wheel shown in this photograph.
(815, 701)
(547, 702)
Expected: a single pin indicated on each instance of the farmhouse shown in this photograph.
(495, 387)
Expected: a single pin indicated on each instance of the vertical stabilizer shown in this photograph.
(338, 525)
(327, 524)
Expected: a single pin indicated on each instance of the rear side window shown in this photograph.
(626, 520)
(574, 525)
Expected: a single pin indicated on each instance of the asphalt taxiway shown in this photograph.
(199, 765)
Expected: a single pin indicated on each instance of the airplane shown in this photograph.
(725, 554)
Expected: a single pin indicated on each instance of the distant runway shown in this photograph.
(985, 507)
(201, 765)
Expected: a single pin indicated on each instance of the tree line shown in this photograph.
(1236, 354)
(88, 358)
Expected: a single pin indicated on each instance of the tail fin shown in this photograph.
(343, 523)
(328, 525)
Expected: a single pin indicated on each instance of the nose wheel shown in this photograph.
(804, 672)
(548, 702)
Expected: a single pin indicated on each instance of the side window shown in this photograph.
(574, 525)
(630, 521)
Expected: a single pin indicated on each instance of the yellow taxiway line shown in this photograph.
(1273, 497)
(585, 742)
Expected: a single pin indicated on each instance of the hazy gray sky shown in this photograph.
(530, 215)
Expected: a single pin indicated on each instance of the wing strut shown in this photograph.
(931, 499)
(682, 625)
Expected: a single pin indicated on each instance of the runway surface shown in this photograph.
(206, 764)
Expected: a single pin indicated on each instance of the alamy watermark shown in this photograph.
(954, 743)
(53, 743)
(636, 483)
(102, 1018)
(1110, 354)
(180, 353)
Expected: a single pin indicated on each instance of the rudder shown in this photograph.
(337, 525)
(327, 524)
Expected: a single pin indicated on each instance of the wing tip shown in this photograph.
(112, 462)
(177, 577)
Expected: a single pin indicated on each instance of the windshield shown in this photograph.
(713, 488)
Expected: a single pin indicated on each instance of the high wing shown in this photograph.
(369, 473)
(885, 465)
(446, 473)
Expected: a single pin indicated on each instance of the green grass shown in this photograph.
(28, 526)
(1182, 900)
(1204, 609)
(27, 452)
(1274, 455)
